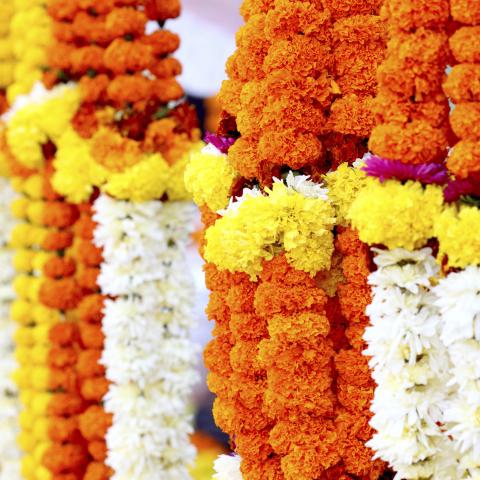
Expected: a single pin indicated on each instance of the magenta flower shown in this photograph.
(456, 189)
(222, 143)
(426, 173)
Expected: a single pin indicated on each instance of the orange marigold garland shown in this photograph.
(299, 98)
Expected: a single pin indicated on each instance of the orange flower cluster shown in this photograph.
(463, 88)
(411, 107)
(301, 85)
(236, 376)
(107, 50)
(354, 384)
(93, 384)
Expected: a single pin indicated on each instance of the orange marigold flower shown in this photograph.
(165, 68)
(87, 278)
(65, 405)
(62, 458)
(167, 89)
(59, 56)
(122, 56)
(64, 379)
(130, 88)
(465, 11)
(63, 334)
(85, 226)
(163, 42)
(60, 214)
(60, 357)
(58, 267)
(97, 471)
(62, 294)
(162, 9)
(407, 15)
(94, 89)
(98, 450)
(57, 240)
(61, 10)
(63, 429)
(463, 83)
(88, 364)
(90, 309)
(465, 121)
(94, 423)
(87, 58)
(464, 161)
(91, 335)
(94, 389)
(91, 28)
(464, 44)
(125, 21)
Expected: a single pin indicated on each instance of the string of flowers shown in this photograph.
(30, 36)
(6, 53)
(148, 355)
(10, 405)
(457, 301)
(293, 110)
(410, 366)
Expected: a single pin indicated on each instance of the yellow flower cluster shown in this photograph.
(395, 214)
(262, 225)
(6, 53)
(30, 35)
(457, 229)
(209, 177)
(34, 324)
(77, 173)
(344, 185)
(43, 119)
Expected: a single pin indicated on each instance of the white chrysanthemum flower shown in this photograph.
(303, 185)
(227, 467)
(410, 365)
(148, 354)
(235, 203)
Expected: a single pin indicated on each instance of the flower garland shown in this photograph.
(457, 299)
(30, 36)
(6, 53)
(410, 366)
(9, 454)
(296, 105)
(148, 356)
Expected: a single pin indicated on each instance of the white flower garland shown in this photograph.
(148, 354)
(458, 298)
(227, 467)
(410, 366)
(9, 402)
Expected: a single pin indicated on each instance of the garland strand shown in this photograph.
(148, 355)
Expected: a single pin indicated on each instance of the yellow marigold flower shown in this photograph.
(6, 74)
(22, 378)
(21, 311)
(209, 178)
(396, 214)
(457, 232)
(23, 336)
(26, 417)
(76, 170)
(40, 432)
(40, 402)
(21, 285)
(44, 444)
(176, 189)
(36, 212)
(28, 466)
(22, 355)
(144, 181)
(42, 473)
(344, 185)
(40, 378)
(40, 259)
(33, 187)
(45, 316)
(26, 441)
(39, 354)
(260, 226)
(45, 117)
(19, 207)
(22, 260)
(41, 333)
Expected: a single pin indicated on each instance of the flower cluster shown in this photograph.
(30, 37)
(458, 304)
(9, 401)
(6, 52)
(410, 366)
(148, 355)
(255, 227)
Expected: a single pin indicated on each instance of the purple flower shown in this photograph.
(222, 143)
(426, 173)
(459, 188)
